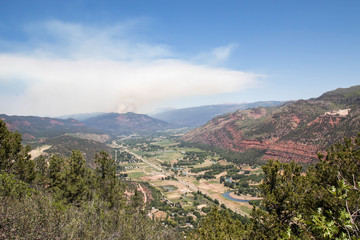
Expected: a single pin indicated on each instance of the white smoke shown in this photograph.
(100, 70)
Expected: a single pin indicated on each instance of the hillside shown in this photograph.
(81, 116)
(126, 123)
(32, 127)
(63, 146)
(294, 131)
(197, 116)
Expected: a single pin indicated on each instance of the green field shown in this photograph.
(178, 191)
(136, 174)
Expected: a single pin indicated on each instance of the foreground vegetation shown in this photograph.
(324, 203)
(64, 199)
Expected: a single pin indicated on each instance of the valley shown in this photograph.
(179, 173)
(169, 120)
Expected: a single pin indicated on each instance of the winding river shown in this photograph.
(226, 195)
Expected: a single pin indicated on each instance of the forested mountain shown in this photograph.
(64, 145)
(32, 127)
(126, 123)
(197, 116)
(294, 131)
(81, 116)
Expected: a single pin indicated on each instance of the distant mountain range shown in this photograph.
(81, 116)
(294, 131)
(65, 135)
(197, 116)
(32, 127)
(37, 127)
(126, 123)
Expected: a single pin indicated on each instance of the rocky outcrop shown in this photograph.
(296, 131)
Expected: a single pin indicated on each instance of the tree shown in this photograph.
(14, 157)
(335, 195)
(109, 186)
(323, 204)
(41, 170)
(281, 188)
(218, 225)
(106, 167)
(76, 188)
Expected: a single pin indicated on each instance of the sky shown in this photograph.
(68, 57)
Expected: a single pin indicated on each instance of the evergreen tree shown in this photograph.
(56, 177)
(109, 187)
(282, 189)
(218, 225)
(41, 168)
(76, 176)
(14, 157)
(323, 203)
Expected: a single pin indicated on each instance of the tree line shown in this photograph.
(322, 203)
(62, 198)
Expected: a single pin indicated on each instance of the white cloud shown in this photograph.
(82, 69)
(216, 55)
(223, 53)
(70, 40)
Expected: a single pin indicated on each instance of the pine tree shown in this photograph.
(41, 170)
(218, 225)
(76, 176)
(108, 185)
(14, 157)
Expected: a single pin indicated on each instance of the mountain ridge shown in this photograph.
(298, 130)
(32, 127)
(197, 116)
(126, 123)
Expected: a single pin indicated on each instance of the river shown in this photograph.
(226, 195)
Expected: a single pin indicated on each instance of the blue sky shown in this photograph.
(64, 57)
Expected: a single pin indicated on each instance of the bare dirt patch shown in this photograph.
(38, 151)
(153, 177)
(176, 194)
(201, 206)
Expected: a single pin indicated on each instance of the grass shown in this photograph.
(140, 153)
(257, 171)
(246, 209)
(169, 188)
(131, 164)
(206, 163)
(163, 143)
(150, 169)
(213, 181)
(169, 156)
(192, 150)
(136, 174)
